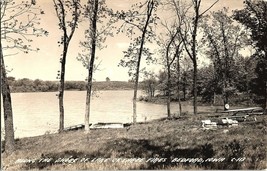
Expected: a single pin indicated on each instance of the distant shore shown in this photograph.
(27, 85)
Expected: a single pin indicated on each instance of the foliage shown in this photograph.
(149, 85)
(15, 35)
(258, 84)
(131, 55)
(105, 27)
(143, 21)
(19, 22)
(134, 22)
(37, 85)
(233, 151)
(206, 84)
(68, 13)
(188, 31)
(222, 41)
(162, 82)
(253, 17)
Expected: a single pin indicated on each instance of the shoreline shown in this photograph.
(161, 138)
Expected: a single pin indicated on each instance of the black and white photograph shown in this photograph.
(133, 84)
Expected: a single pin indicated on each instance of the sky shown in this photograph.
(44, 64)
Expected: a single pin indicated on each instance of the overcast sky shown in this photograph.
(45, 64)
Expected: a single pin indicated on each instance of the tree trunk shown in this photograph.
(169, 63)
(184, 86)
(168, 89)
(214, 98)
(62, 85)
(7, 105)
(60, 10)
(149, 13)
(225, 99)
(168, 81)
(178, 85)
(226, 65)
(265, 97)
(194, 53)
(265, 105)
(195, 87)
(91, 66)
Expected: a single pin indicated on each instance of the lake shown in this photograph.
(38, 113)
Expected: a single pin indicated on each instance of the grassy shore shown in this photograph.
(179, 143)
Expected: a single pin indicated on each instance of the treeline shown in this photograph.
(37, 85)
(246, 78)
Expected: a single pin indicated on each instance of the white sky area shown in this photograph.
(44, 64)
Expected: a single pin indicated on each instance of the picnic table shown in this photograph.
(247, 111)
(241, 114)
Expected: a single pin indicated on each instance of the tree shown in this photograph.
(223, 39)
(93, 30)
(107, 79)
(65, 9)
(171, 50)
(99, 29)
(8, 114)
(15, 35)
(253, 17)
(143, 22)
(188, 30)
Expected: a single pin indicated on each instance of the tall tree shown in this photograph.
(7, 104)
(188, 32)
(68, 12)
(141, 18)
(18, 23)
(223, 39)
(171, 50)
(178, 69)
(253, 16)
(179, 55)
(100, 27)
(93, 30)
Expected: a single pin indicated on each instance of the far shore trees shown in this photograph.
(18, 23)
(141, 17)
(149, 85)
(68, 12)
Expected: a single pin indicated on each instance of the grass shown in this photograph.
(159, 144)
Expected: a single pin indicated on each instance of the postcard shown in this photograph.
(133, 85)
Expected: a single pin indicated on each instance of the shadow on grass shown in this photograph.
(129, 148)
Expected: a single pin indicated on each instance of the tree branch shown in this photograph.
(208, 8)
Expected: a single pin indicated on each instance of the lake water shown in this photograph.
(38, 113)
